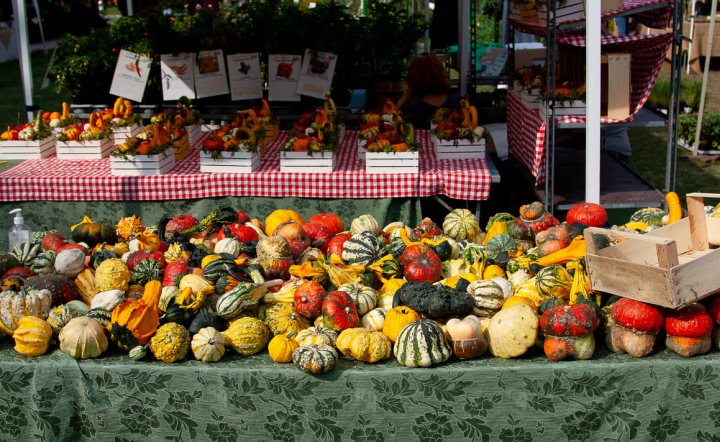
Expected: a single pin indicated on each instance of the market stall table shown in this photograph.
(616, 397)
(43, 188)
(701, 29)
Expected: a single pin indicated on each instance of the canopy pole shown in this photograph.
(463, 46)
(24, 53)
(130, 11)
(692, 29)
(593, 51)
(426, 40)
(706, 72)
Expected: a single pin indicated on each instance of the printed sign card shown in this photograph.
(176, 72)
(316, 73)
(210, 74)
(131, 75)
(245, 77)
(283, 77)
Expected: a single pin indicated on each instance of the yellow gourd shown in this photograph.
(493, 271)
(497, 228)
(364, 345)
(397, 318)
(573, 252)
(674, 207)
(112, 274)
(170, 343)
(32, 336)
(281, 348)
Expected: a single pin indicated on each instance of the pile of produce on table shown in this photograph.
(311, 291)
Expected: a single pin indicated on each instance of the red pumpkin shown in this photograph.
(589, 214)
(296, 237)
(243, 217)
(239, 232)
(174, 271)
(309, 299)
(73, 245)
(319, 235)
(690, 322)
(552, 239)
(335, 246)
(179, 223)
(427, 267)
(637, 315)
(52, 241)
(339, 311)
(333, 222)
(569, 321)
(413, 252)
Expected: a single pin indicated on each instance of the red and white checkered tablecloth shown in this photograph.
(526, 127)
(50, 179)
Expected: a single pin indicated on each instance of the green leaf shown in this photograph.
(325, 429)
(180, 421)
(393, 405)
(475, 429)
(542, 404)
(15, 381)
(707, 437)
(692, 391)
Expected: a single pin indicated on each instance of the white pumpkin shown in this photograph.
(70, 262)
(208, 345)
(374, 319)
(108, 300)
(365, 297)
(228, 245)
(83, 338)
(364, 223)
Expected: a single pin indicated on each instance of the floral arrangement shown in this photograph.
(243, 134)
(457, 124)
(530, 77)
(313, 132)
(121, 115)
(184, 115)
(32, 131)
(96, 128)
(173, 124)
(60, 119)
(153, 140)
(566, 91)
(399, 137)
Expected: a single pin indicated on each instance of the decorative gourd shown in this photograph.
(317, 335)
(308, 299)
(421, 344)
(102, 316)
(108, 300)
(512, 331)
(363, 248)
(297, 240)
(337, 243)
(396, 319)
(274, 256)
(365, 297)
(282, 319)
(427, 267)
(229, 246)
(466, 337)
(138, 353)
(364, 223)
(85, 282)
(319, 235)
(315, 359)
(281, 348)
(83, 338)
(554, 281)
(167, 296)
(92, 233)
(213, 270)
(374, 319)
(101, 255)
(688, 331)
(60, 316)
(652, 216)
(412, 252)
(632, 327)
(588, 214)
(247, 336)
(568, 331)
(461, 224)
(170, 343)
(427, 228)
(500, 248)
(488, 297)
(339, 311)
(195, 282)
(25, 253)
(208, 345)
(70, 262)
(386, 268)
(244, 296)
(44, 263)
(134, 322)
(553, 239)
(536, 217)
(32, 336)
(16, 305)
(434, 301)
(333, 222)
(112, 274)
(364, 345)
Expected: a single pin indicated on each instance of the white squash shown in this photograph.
(70, 262)
(374, 319)
(108, 300)
(466, 337)
(208, 345)
(168, 293)
(83, 338)
(228, 245)
(364, 223)
(513, 331)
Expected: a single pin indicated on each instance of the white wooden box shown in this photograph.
(142, 165)
(458, 149)
(27, 150)
(84, 150)
(194, 133)
(392, 162)
(230, 162)
(361, 148)
(568, 108)
(571, 10)
(182, 148)
(321, 162)
(120, 134)
(531, 99)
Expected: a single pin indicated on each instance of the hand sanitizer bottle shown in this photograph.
(19, 233)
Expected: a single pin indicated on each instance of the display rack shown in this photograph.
(653, 13)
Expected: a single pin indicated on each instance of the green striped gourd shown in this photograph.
(44, 262)
(488, 297)
(318, 335)
(421, 344)
(100, 315)
(243, 297)
(315, 359)
(554, 281)
(215, 269)
(363, 248)
(461, 224)
(147, 270)
(365, 297)
(652, 216)
(61, 315)
(247, 336)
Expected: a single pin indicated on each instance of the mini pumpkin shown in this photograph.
(92, 233)
(688, 331)
(568, 331)
(397, 318)
(208, 345)
(422, 344)
(364, 345)
(339, 311)
(317, 335)
(32, 336)
(374, 320)
(83, 338)
(315, 359)
(365, 297)
(281, 347)
(308, 299)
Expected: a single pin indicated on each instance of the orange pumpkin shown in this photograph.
(135, 322)
(280, 217)
(333, 222)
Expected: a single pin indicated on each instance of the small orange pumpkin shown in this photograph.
(280, 217)
(396, 319)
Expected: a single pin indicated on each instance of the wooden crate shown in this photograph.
(458, 149)
(318, 162)
(567, 108)
(194, 133)
(182, 147)
(671, 267)
(531, 99)
(142, 165)
(120, 134)
(572, 10)
(230, 162)
(84, 150)
(361, 148)
(27, 150)
(392, 162)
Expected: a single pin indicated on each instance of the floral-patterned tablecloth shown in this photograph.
(660, 398)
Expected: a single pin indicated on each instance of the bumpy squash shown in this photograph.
(282, 319)
(364, 345)
(315, 359)
(32, 336)
(83, 338)
(281, 348)
(208, 345)
(247, 336)
(16, 305)
(170, 343)
(422, 344)
(112, 274)
(317, 335)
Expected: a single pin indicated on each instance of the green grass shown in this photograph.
(12, 105)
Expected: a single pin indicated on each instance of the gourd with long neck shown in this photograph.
(135, 322)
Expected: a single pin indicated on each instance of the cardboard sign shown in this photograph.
(131, 75)
(283, 77)
(210, 74)
(316, 73)
(245, 77)
(493, 62)
(177, 74)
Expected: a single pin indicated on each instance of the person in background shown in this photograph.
(427, 88)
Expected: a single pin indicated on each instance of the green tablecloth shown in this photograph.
(60, 215)
(660, 398)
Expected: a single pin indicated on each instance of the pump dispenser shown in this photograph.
(19, 233)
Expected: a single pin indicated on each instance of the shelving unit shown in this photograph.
(652, 12)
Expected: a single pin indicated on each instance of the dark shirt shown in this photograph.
(419, 112)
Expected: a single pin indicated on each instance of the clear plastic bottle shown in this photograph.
(19, 233)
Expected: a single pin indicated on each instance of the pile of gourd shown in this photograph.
(306, 290)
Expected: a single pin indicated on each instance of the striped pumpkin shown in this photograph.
(363, 248)
(555, 281)
(208, 345)
(315, 359)
(365, 297)
(422, 344)
(374, 319)
(488, 297)
(461, 224)
(317, 335)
